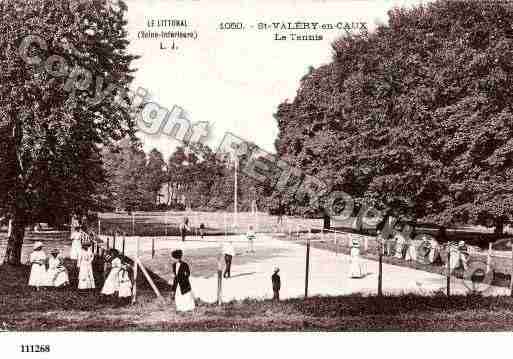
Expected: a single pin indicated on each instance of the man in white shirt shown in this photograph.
(228, 252)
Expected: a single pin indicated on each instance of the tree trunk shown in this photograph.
(499, 227)
(15, 242)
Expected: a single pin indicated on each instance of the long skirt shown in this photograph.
(125, 285)
(86, 277)
(357, 267)
(76, 248)
(57, 277)
(184, 302)
(399, 251)
(433, 254)
(37, 275)
(111, 284)
(411, 252)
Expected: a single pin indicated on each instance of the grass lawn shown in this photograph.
(70, 310)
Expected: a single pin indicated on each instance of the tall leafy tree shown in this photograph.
(54, 131)
(416, 117)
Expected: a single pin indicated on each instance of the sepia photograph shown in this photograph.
(255, 166)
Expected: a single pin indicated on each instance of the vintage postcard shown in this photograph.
(254, 166)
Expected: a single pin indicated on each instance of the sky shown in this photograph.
(235, 79)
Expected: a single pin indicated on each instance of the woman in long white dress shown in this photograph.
(111, 285)
(76, 245)
(357, 268)
(400, 244)
(85, 265)
(181, 287)
(37, 277)
(57, 275)
(411, 250)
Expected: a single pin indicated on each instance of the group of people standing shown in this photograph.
(51, 272)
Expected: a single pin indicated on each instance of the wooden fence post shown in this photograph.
(136, 269)
(448, 270)
(114, 241)
(108, 243)
(380, 274)
(152, 247)
(366, 244)
(219, 280)
(307, 271)
(511, 280)
(489, 258)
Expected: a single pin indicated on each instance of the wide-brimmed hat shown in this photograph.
(461, 243)
(54, 251)
(38, 245)
(177, 254)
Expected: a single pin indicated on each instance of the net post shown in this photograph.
(307, 269)
(511, 280)
(489, 258)
(380, 268)
(219, 280)
(448, 270)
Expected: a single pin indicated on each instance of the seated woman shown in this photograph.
(57, 275)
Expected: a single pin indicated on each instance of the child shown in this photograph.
(57, 275)
(202, 230)
(276, 280)
(85, 273)
(250, 235)
(37, 277)
(125, 284)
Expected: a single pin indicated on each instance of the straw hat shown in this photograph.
(38, 245)
(461, 243)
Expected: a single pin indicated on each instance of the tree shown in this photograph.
(416, 117)
(155, 171)
(131, 186)
(55, 131)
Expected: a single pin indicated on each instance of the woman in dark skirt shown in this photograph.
(181, 289)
